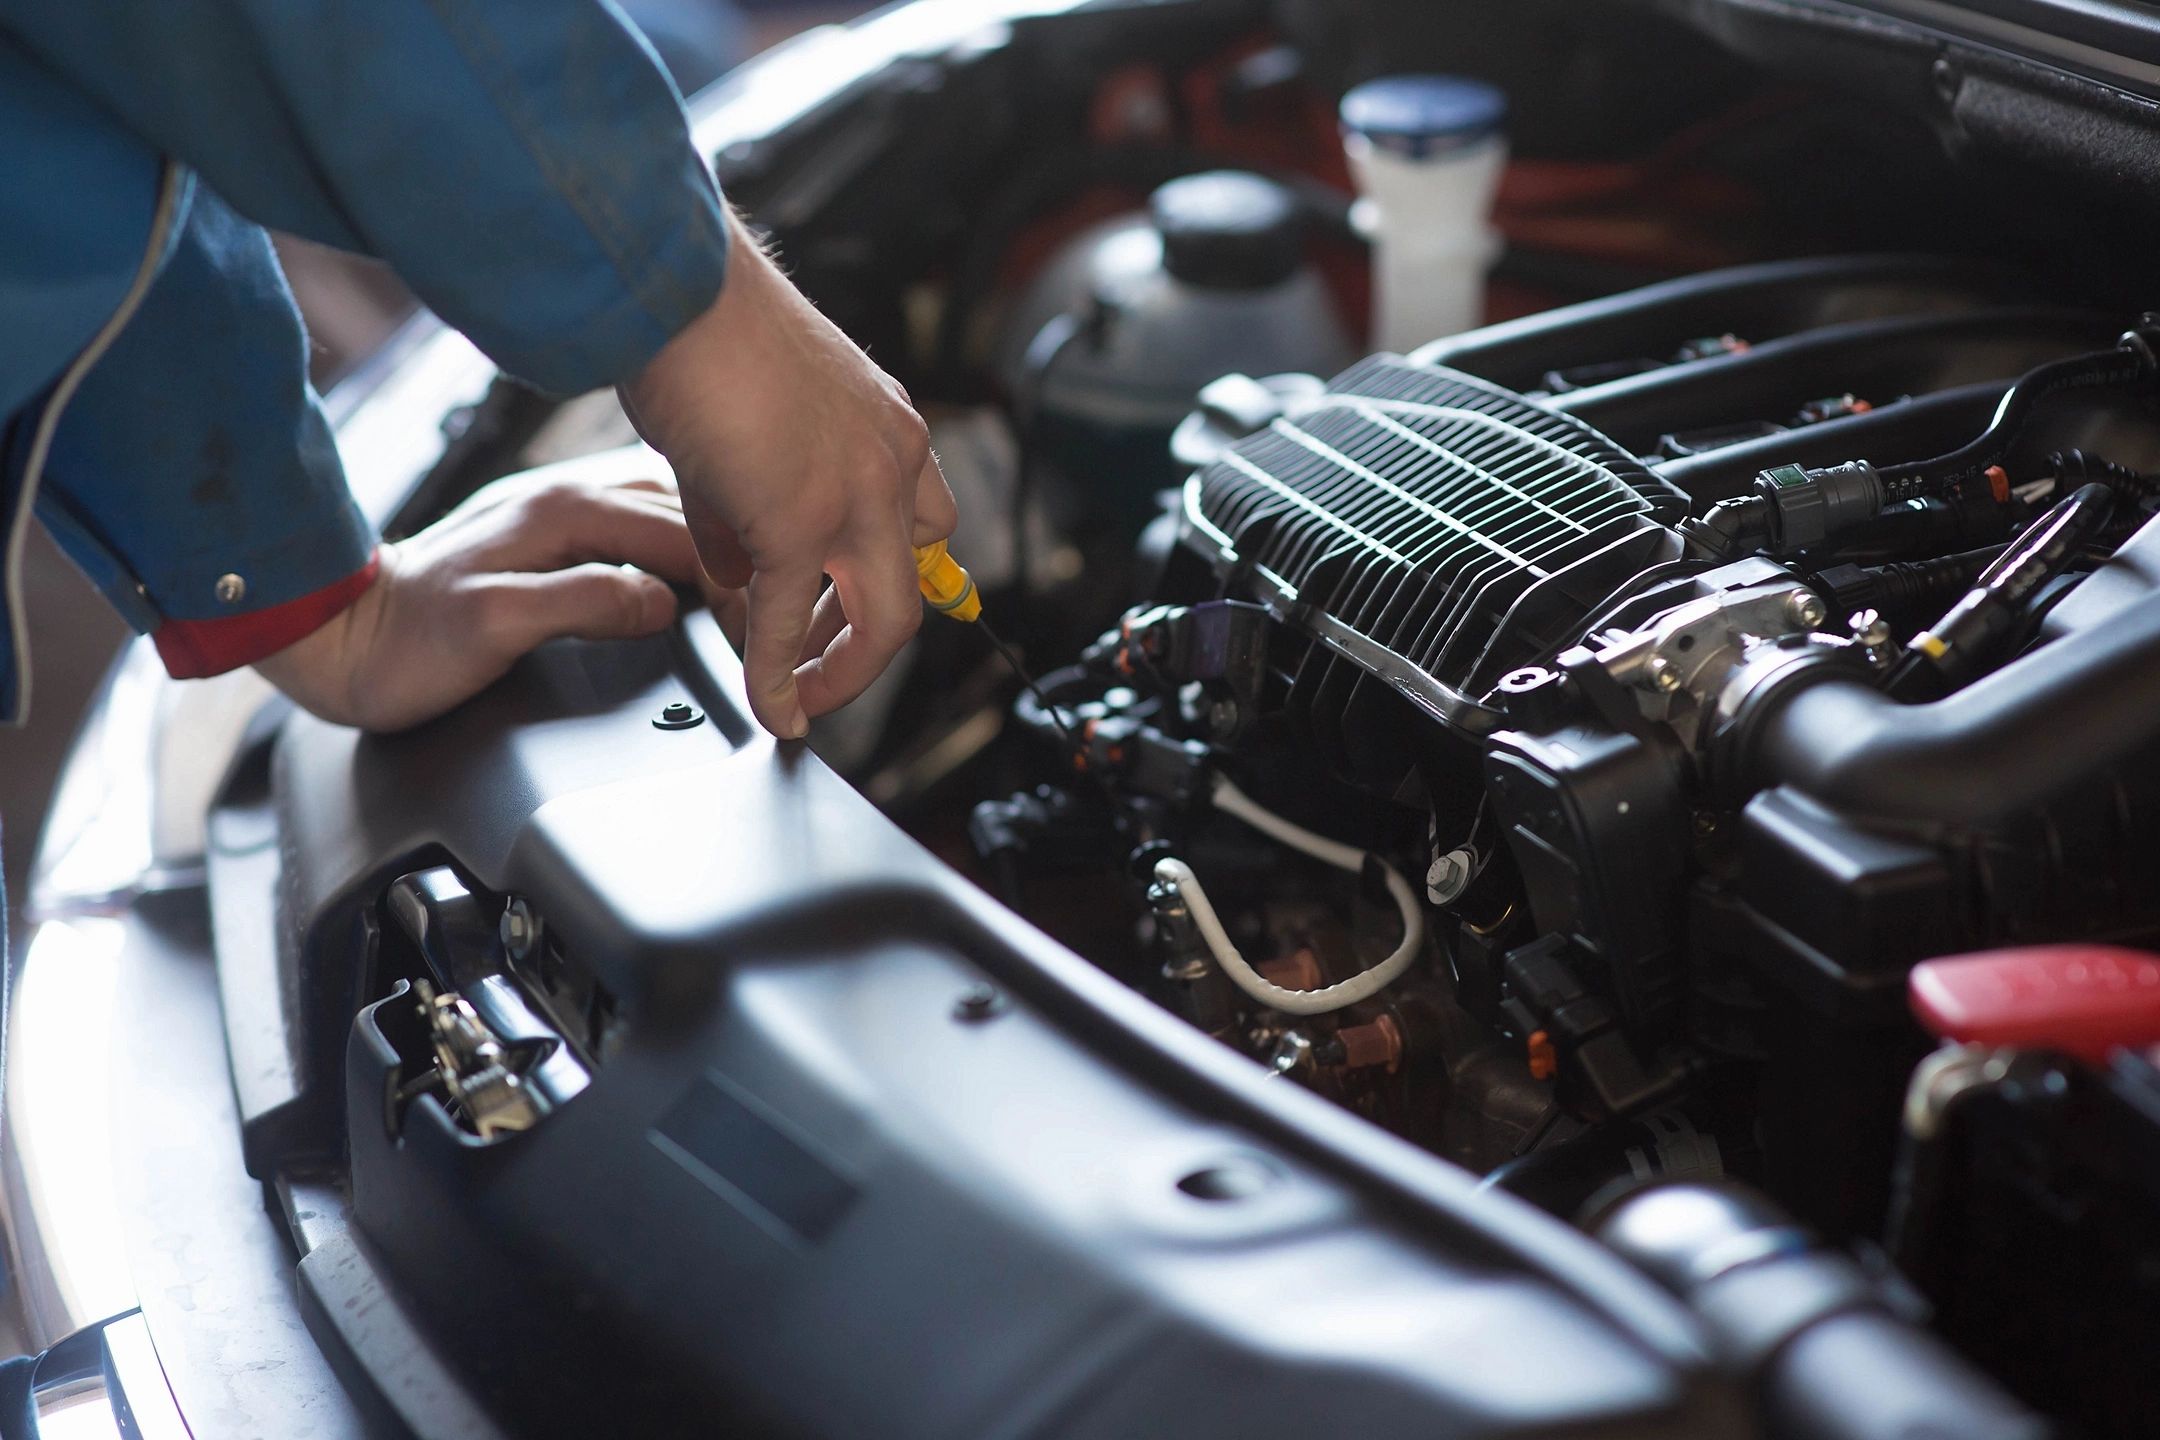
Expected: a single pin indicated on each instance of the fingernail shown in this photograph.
(798, 725)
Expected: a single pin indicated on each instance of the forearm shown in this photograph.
(524, 165)
(203, 491)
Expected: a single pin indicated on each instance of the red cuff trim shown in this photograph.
(192, 649)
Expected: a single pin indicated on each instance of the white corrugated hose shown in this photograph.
(1179, 876)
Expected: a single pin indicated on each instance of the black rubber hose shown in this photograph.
(1970, 634)
(2113, 369)
(1058, 687)
(2002, 744)
(2073, 468)
(1922, 586)
(1043, 353)
(1833, 1357)
(1562, 1178)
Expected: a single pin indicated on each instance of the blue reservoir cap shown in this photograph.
(1420, 115)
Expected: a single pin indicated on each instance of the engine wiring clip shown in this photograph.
(1215, 652)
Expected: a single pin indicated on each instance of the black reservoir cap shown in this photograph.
(1228, 230)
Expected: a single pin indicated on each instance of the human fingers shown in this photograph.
(516, 611)
(556, 526)
(876, 586)
(935, 513)
(779, 604)
(826, 621)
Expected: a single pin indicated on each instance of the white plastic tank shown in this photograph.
(1427, 152)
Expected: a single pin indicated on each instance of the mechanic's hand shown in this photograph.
(798, 458)
(527, 559)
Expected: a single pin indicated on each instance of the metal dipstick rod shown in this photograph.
(950, 590)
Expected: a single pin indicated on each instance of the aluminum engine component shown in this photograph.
(1433, 529)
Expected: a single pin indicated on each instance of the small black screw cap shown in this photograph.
(678, 715)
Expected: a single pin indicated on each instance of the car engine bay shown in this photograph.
(1561, 744)
(1650, 823)
(1695, 728)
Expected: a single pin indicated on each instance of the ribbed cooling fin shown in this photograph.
(1458, 527)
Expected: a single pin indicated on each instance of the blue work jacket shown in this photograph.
(524, 165)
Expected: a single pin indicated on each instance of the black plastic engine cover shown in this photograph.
(812, 1192)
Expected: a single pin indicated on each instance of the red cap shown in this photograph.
(2084, 1000)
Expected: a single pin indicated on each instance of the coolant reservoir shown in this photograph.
(1212, 280)
(1427, 152)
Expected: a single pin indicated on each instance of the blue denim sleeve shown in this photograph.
(200, 490)
(524, 165)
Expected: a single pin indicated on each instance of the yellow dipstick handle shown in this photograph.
(949, 589)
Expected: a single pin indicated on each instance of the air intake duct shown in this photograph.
(1835, 1358)
(2004, 743)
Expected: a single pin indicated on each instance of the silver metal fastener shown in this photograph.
(1449, 875)
(519, 928)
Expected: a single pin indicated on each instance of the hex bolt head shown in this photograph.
(1805, 607)
(1664, 675)
(1449, 875)
(520, 928)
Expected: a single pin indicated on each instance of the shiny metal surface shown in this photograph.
(71, 1259)
(79, 1410)
(140, 1395)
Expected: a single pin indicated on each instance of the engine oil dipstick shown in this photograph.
(948, 589)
